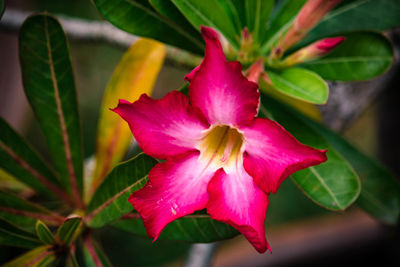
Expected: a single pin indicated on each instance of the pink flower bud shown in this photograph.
(309, 16)
(315, 50)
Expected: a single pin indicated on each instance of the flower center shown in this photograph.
(221, 146)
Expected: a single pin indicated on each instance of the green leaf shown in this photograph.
(364, 55)
(356, 15)
(132, 15)
(41, 256)
(23, 213)
(11, 235)
(380, 191)
(93, 254)
(234, 14)
(301, 84)
(257, 16)
(280, 23)
(333, 184)
(209, 13)
(111, 199)
(69, 230)
(44, 233)
(192, 228)
(239, 6)
(21, 161)
(49, 86)
(168, 10)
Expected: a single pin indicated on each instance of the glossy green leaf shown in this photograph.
(168, 10)
(355, 15)
(111, 199)
(333, 184)
(363, 55)
(23, 213)
(21, 161)
(301, 84)
(41, 256)
(257, 17)
(44, 233)
(132, 15)
(209, 13)
(192, 228)
(380, 191)
(93, 254)
(49, 86)
(11, 235)
(69, 230)
(280, 23)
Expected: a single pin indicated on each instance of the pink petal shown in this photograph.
(176, 188)
(219, 88)
(165, 127)
(235, 199)
(272, 154)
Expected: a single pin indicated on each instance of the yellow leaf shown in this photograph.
(307, 109)
(135, 75)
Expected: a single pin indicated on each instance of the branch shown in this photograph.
(96, 31)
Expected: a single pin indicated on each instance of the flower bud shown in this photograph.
(315, 50)
(309, 16)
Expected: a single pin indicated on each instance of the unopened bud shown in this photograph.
(309, 16)
(315, 50)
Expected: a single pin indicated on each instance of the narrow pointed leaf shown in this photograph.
(257, 16)
(21, 161)
(363, 55)
(192, 228)
(233, 13)
(132, 15)
(135, 75)
(168, 10)
(380, 191)
(93, 255)
(23, 213)
(41, 256)
(209, 13)
(280, 23)
(49, 86)
(240, 10)
(333, 184)
(356, 15)
(44, 233)
(11, 235)
(69, 230)
(301, 84)
(111, 199)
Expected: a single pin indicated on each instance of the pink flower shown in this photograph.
(219, 156)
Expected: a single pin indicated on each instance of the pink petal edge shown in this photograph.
(176, 188)
(236, 200)
(272, 154)
(165, 127)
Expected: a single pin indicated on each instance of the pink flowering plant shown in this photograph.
(209, 155)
